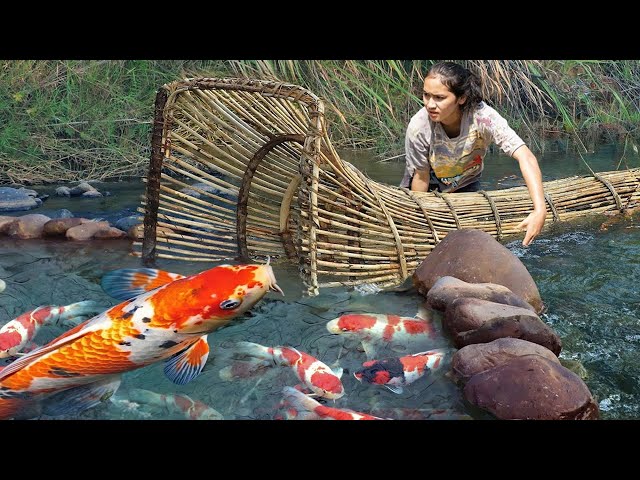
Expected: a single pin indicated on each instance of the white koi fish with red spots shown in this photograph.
(242, 369)
(146, 329)
(179, 404)
(313, 374)
(16, 334)
(298, 406)
(396, 372)
(375, 329)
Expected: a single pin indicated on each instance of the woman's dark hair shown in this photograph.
(460, 81)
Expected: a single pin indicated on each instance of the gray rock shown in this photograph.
(81, 188)
(12, 200)
(28, 191)
(91, 194)
(125, 223)
(62, 213)
(63, 191)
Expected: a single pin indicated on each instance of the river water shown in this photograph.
(586, 275)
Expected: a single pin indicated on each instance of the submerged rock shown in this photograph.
(478, 357)
(532, 387)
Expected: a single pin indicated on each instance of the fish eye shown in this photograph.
(230, 304)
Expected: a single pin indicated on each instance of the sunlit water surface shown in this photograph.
(587, 277)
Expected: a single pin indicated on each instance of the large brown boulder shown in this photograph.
(5, 222)
(86, 231)
(479, 357)
(471, 320)
(447, 289)
(111, 232)
(532, 387)
(27, 226)
(59, 226)
(475, 256)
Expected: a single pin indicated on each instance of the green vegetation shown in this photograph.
(66, 120)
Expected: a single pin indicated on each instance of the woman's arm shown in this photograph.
(533, 178)
(420, 181)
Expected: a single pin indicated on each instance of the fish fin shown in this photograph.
(187, 364)
(140, 395)
(338, 371)
(127, 283)
(298, 399)
(76, 400)
(369, 350)
(395, 389)
(431, 351)
(299, 359)
(20, 408)
(424, 313)
(244, 369)
(86, 308)
(251, 349)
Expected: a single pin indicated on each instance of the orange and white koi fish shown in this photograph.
(146, 329)
(374, 329)
(179, 404)
(396, 372)
(313, 374)
(16, 334)
(298, 406)
(3, 285)
(128, 283)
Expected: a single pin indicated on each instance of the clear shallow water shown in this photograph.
(586, 277)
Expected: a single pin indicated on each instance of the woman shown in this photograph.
(447, 140)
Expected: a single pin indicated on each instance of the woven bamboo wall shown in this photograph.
(272, 184)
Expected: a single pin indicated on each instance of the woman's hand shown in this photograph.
(533, 224)
(533, 178)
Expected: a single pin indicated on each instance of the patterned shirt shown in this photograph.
(455, 162)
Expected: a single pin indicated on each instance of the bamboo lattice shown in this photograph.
(268, 182)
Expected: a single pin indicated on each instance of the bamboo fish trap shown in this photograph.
(244, 169)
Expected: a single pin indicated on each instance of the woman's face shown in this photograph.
(443, 106)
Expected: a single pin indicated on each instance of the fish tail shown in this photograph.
(255, 350)
(85, 308)
(18, 408)
(299, 400)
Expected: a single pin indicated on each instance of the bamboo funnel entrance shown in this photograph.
(243, 169)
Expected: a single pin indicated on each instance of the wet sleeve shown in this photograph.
(502, 134)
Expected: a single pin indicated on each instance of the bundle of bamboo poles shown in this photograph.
(244, 169)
